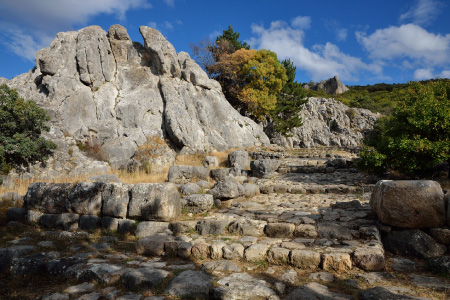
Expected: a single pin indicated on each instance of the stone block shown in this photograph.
(155, 201)
(305, 259)
(86, 198)
(115, 197)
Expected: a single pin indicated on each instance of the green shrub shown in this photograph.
(417, 135)
(21, 124)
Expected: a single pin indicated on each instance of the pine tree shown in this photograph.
(290, 101)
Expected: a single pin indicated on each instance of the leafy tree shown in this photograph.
(21, 123)
(417, 135)
(290, 101)
(232, 38)
(251, 80)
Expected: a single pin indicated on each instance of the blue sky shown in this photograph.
(363, 42)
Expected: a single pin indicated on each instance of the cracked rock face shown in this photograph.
(103, 86)
(327, 122)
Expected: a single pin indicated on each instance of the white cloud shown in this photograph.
(422, 12)
(407, 41)
(445, 74)
(40, 20)
(341, 34)
(301, 22)
(164, 26)
(21, 43)
(170, 2)
(320, 62)
(422, 74)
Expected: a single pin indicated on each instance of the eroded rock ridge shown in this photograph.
(103, 87)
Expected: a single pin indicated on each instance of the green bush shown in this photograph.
(417, 135)
(21, 124)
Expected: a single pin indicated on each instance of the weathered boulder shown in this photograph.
(155, 201)
(331, 86)
(264, 167)
(226, 189)
(409, 203)
(239, 159)
(109, 93)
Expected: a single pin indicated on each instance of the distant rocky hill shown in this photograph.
(105, 89)
(327, 122)
(331, 86)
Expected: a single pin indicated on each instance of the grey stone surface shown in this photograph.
(67, 221)
(115, 199)
(86, 198)
(144, 229)
(409, 203)
(215, 227)
(264, 167)
(221, 266)
(190, 285)
(390, 292)
(243, 286)
(189, 188)
(143, 278)
(413, 242)
(154, 201)
(315, 290)
(198, 203)
(225, 189)
(239, 159)
(211, 162)
(152, 245)
(333, 231)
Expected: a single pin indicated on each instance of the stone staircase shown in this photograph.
(309, 234)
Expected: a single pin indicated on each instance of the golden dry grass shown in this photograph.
(21, 186)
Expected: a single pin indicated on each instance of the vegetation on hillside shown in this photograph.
(21, 124)
(416, 137)
(255, 82)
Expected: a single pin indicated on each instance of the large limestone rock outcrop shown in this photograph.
(409, 203)
(327, 122)
(103, 87)
(331, 86)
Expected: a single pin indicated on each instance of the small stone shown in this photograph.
(81, 288)
(322, 276)
(289, 276)
(233, 251)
